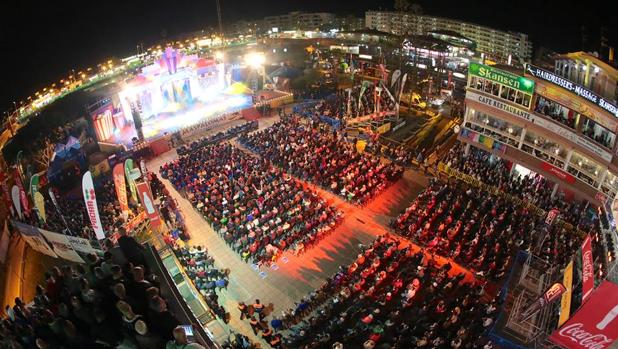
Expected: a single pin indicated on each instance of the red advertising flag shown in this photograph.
(549, 296)
(5, 192)
(121, 187)
(22, 193)
(587, 269)
(595, 325)
(145, 196)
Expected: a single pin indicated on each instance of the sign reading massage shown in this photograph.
(502, 77)
(573, 87)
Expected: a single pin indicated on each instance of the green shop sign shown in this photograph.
(502, 77)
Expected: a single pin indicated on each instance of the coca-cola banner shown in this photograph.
(595, 325)
(587, 269)
(147, 200)
(121, 187)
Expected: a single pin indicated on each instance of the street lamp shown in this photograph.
(256, 61)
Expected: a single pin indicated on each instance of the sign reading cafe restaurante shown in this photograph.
(502, 77)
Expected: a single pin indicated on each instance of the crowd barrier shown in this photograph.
(452, 173)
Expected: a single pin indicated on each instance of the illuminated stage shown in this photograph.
(174, 92)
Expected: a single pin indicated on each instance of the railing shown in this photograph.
(164, 263)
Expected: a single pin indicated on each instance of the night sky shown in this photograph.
(42, 41)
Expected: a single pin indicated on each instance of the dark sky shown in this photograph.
(42, 41)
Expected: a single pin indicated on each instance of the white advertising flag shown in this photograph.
(90, 199)
(16, 202)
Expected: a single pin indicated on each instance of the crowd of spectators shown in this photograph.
(480, 230)
(534, 189)
(218, 137)
(256, 315)
(391, 297)
(109, 302)
(201, 270)
(71, 216)
(555, 111)
(313, 153)
(257, 209)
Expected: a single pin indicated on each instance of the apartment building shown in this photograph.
(496, 45)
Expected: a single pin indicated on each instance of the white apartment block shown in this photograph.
(299, 20)
(497, 45)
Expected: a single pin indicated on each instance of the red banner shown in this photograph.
(551, 216)
(595, 325)
(587, 269)
(5, 193)
(549, 296)
(22, 193)
(563, 175)
(121, 187)
(145, 196)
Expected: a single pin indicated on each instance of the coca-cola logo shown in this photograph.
(578, 334)
(587, 268)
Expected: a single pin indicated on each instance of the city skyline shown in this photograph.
(50, 40)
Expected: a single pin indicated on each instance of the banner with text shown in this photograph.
(25, 206)
(39, 205)
(549, 296)
(128, 168)
(121, 187)
(90, 200)
(147, 201)
(587, 269)
(595, 325)
(6, 196)
(32, 236)
(62, 246)
(565, 302)
(16, 201)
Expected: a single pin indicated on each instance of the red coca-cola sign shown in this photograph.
(595, 325)
(587, 268)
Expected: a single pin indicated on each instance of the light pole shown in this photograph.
(219, 17)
